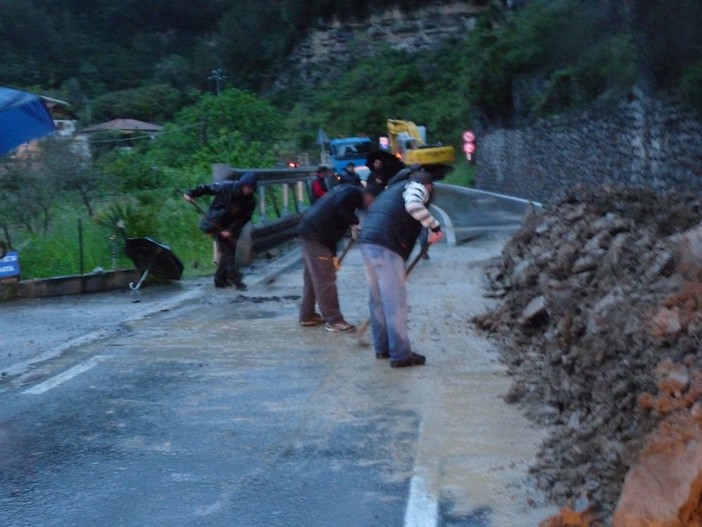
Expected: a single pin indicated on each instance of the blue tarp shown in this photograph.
(23, 117)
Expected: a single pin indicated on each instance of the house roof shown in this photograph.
(124, 125)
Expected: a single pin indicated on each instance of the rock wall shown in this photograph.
(647, 142)
(327, 49)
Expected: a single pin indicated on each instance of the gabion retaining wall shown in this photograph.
(642, 142)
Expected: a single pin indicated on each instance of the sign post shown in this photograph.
(469, 144)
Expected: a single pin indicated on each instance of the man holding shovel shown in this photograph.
(232, 207)
(319, 232)
(390, 231)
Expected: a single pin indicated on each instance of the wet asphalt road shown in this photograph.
(218, 410)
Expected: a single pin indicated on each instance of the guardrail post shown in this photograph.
(286, 199)
(262, 203)
(300, 203)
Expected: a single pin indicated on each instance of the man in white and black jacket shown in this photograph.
(390, 230)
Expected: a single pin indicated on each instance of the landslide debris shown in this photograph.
(596, 290)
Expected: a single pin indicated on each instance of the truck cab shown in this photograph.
(350, 150)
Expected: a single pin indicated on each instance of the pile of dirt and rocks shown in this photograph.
(597, 291)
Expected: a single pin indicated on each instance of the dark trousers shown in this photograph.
(319, 282)
(227, 270)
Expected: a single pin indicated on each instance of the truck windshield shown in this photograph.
(351, 150)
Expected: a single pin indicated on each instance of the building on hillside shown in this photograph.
(65, 119)
(129, 130)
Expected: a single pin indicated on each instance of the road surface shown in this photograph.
(193, 406)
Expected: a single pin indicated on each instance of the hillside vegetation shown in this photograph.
(154, 61)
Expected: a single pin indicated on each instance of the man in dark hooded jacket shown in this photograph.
(319, 232)
(232, 207)
(349, 176)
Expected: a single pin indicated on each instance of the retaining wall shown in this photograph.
(648, 142)
(68, 285)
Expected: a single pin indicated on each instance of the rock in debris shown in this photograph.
(664, 489)
(534, 313)
(688, 256)
(516, 393)
(577, 513)
(665, 324)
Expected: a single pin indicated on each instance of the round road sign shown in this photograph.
(468, 136)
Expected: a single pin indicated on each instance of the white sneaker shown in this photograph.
(341, 327)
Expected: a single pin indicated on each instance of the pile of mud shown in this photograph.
(597, 290)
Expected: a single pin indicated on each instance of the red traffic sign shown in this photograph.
(469, 148)
(468, 136)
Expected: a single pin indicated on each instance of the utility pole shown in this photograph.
(218, 76)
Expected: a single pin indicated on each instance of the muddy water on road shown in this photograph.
(227, 373)
(473, 448)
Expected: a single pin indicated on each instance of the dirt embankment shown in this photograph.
(597, 291)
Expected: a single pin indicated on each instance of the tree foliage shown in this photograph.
(152, 103)
(548, 57)
(422, 87)
(235, 127)
(150, 58)
(28, 192)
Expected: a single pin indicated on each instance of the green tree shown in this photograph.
(550, 55)
(72, 172)
(28, 192)
(154, 103)
(214, 127)
(427, 88)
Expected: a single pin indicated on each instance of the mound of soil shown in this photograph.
(596, 290)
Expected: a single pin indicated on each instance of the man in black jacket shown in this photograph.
(319, 232)
(349, 176)
(232, 207)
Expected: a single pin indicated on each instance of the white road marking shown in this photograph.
(104, 332)
(422, 506)
(67, 375)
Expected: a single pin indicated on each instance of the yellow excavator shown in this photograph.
(408, 143)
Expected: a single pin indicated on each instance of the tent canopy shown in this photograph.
(23, 117)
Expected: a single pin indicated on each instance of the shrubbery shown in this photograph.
(547, 57)
(141, 185)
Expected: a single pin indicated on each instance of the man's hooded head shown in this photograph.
(249, 180)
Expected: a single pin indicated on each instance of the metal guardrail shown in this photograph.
(465, 213)
(294, 184)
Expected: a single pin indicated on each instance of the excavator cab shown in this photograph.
(408, 143)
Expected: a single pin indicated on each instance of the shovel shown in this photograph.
(268, 280)
(202, 212)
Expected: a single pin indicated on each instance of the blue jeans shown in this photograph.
(385, 271)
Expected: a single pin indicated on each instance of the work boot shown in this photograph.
(341, 327)
(240, 286)
(414, 359)
(315, 320)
